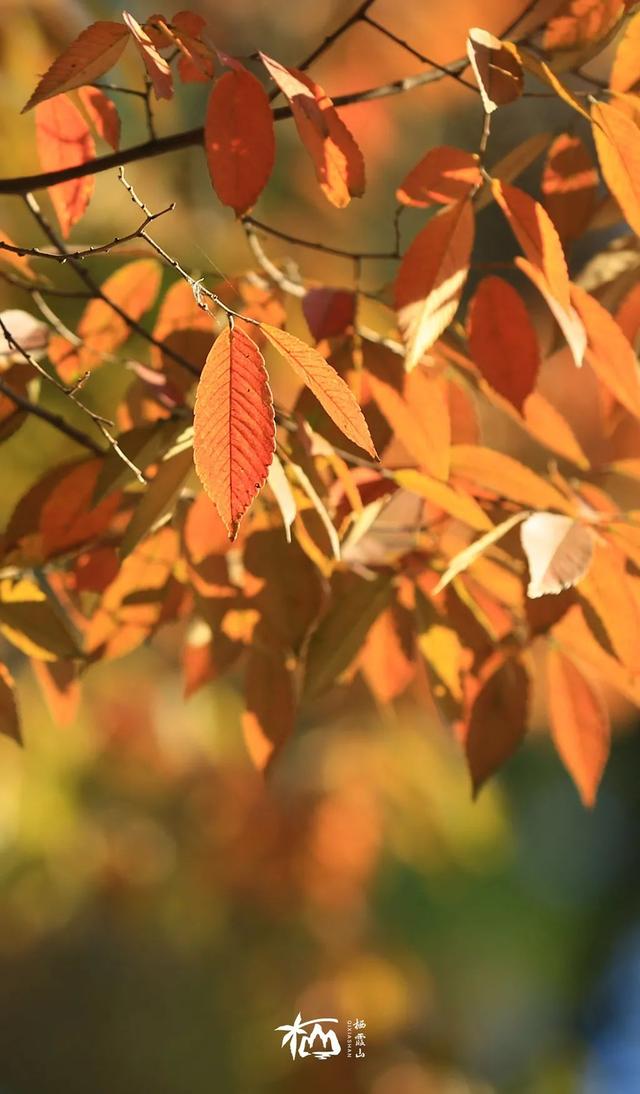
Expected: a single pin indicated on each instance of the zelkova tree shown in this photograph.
(371, 527)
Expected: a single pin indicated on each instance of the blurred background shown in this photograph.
(162, 908)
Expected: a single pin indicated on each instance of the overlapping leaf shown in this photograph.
(64, 140)
(239, 138)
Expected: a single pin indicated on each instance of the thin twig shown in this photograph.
(444, 70)
(86, 252)
(52, 419)
(311, 245)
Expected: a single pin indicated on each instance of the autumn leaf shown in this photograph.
(559, 551)
(234, 429)
(9, 717)
(625, 72)
(60, 687)
(498, 720)
(328, 312)
(269, 714)
(326, 384)
(419, 417)
(337, 159)
(92, 54)
(103, 114)
(431, 279)
(239, 138)
(473, 552)
(608, 589)
(617, 140)
(443, 176)
(534, 230)
(502, 340)
(609, 353)
(158, 70)
(64, 140)
(505, 476)
(579, 723)
(569, 186)
(497, 71)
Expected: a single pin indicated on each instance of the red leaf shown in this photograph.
(329, 312)
(336, 156)
(157, 68)
(503, 340)
(239, 139)
(444, 176)
(570, 186)
(64, 140)
(92, 54)
(103, 115)
(234, 430)
(328, 387)
(579, 724)
(431, 278)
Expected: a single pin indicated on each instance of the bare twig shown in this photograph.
(52, 419)
(311, 245)
(444, 70)
(86, 252)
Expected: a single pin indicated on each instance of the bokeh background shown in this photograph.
(162, 908)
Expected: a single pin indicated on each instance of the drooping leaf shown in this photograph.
(502, 340)
(234, 430)
(158, 499)
(457, 504)
(497, 71)
(158, 70)
(282, 492)
(550, 428)
(328, 312)
(559, 551)
(567, 319)
(513, 163)
(617, 140)
(534, 230)
(443, 176)
(336, 157)
(498, 720)
(89, 56)
(103, 114)
(609, 353)
(63, 140)
(570, 186)
(505, 476)
(579, 723)
(239, 138)
(431, 279)
(326, 384)
(608, 589)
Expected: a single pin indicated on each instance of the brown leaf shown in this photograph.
(497, 71)
(570, 186)
(498, 720)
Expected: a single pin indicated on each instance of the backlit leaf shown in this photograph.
(239, 139)
(102, 113)
(269, 714)
(431, 279)
(579, 723)
(419, 417)
(326, 384)
(470, 554)
(63, 140)
(9, 717)
(234, 430)
(570, 186)
(617, 140)
(497, 71)
(625, 73)
(505, 476)
(443, 176)
(610, 355)
(158, 70)
(337, 159)
(92, 54)
(502, 340)
(498, 720)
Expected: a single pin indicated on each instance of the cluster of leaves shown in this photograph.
(447, 569)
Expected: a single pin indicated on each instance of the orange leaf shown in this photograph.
(326, 384)
(103, 114)
(431, 279)
(419, 417)
(444, 176)
(269, 715)
(335, 154)
(550, 428)
(534, 230)
(567, 319)
(196, 63)
(559, 551)
(63, 140)
(578, 23)
(239, 138)
(498, 721)
(617, 140)
(234, 430)
(158, 69)
(569, 185)
(134, 288)
(625, 73)
(387, 660)
(9, 718)
(92, 54)
(502, 340)
(497, 71)
(506, 477)
(610, 355)
(607, 588)
(579, 724)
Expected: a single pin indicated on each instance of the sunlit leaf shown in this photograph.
(239, 139)
(579, 723)
(89, 56)
(64, 140)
